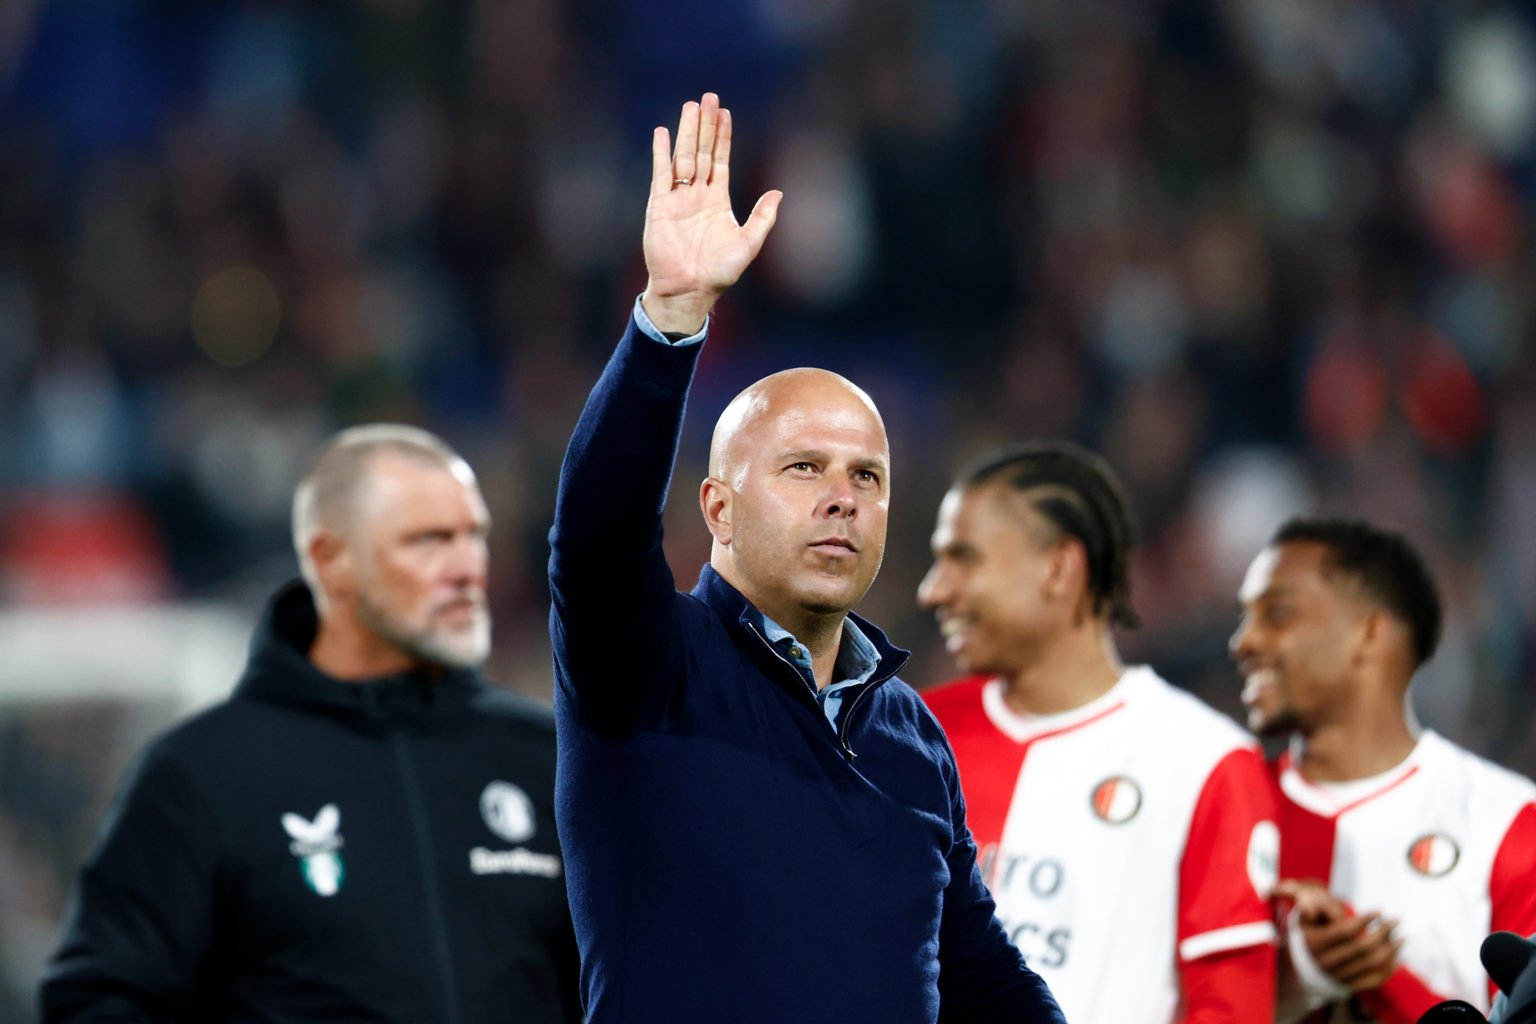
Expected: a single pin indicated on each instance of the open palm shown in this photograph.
(694, 249)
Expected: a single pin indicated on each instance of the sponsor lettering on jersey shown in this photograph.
(1041, 947)
(1021, 883)
(1434, 854)
(1116, 800)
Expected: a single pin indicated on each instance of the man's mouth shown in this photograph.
(955, 629)
(1255, 682)
(832, 545)
(461, 608)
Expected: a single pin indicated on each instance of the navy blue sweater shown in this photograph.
(731, 857)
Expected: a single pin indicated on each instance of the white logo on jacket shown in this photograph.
(316, 844)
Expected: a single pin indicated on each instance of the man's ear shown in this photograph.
(1380, 635)
(334, 564)
(715, 501)
(1066, 567)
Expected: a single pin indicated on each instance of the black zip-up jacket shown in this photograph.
(312, 850)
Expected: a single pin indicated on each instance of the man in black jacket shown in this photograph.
(364, 830)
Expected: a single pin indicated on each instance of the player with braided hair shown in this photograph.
(1124, 827)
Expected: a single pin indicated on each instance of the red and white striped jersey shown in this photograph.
(1445, 843)
(1120, 839)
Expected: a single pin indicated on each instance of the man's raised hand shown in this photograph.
(694, 249)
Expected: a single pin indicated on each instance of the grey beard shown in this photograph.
(464, 649)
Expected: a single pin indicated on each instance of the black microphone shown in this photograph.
(1504, 956)
(1452, 1011)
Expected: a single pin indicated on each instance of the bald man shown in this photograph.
(761, 823)
(364, 830)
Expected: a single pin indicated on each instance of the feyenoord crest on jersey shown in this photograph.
(317, 844)
(1116, 800)
(1434, 854)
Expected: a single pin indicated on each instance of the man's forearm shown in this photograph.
(612, 593)
(613, 485)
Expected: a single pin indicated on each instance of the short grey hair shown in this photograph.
(327, 496)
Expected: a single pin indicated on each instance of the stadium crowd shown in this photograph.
(1265, 255)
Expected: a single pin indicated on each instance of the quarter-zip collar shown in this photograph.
(279, 672)
(745, 621)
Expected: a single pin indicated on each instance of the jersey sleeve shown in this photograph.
(1235, 987)
(1230, 861)
(1512, 884)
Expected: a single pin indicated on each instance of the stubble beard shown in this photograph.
(1281, 723)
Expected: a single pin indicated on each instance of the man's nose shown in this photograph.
(1240, 643)
(468, 560)
(930, 591)
(840, 503)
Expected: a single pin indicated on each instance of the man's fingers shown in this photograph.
(762, 219)
(1324, 937)
(661, 162)
(722, 172)
(1370, 967)
(1361, 947)
(1349, 956)
(709, 116)
(1312, 900)
(684, 163)
(1379, 976)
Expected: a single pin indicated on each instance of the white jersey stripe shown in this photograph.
(1222, 940)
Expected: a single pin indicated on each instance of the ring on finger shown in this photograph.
(682, 181)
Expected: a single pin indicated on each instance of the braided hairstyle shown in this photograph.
(1078, 495)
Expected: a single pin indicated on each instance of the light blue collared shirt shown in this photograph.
(857, 660)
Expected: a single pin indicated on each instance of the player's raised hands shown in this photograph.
(694, 249)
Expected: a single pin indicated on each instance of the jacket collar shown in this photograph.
(741, 616)
(279, 671)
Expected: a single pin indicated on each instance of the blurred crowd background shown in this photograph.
(1266, 255)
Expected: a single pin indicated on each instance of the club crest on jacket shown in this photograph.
(507, 812)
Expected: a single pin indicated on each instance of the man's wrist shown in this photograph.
(683, 315)
(650, 330)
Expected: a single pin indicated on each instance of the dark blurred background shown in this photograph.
(1266, 255)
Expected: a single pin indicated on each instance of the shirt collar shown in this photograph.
(857, 657)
